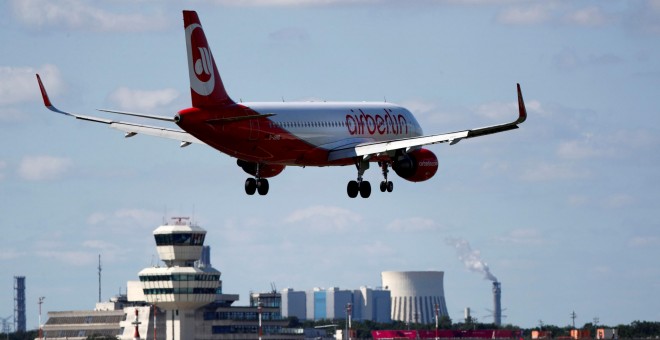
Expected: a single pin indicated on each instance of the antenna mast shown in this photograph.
(573, 316)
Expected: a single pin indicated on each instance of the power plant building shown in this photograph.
(372, 304)
(416, 295)
(294, 303)
(331, 304)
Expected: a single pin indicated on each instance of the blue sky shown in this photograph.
(563, 210)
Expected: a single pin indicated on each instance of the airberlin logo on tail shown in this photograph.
(200, 68)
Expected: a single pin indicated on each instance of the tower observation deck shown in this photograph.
(180, 285)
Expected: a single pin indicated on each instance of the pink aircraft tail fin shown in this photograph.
(206, 88)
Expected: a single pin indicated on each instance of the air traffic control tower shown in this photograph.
(180, 287)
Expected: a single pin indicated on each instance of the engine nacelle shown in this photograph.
(416, 166)
(265, 170)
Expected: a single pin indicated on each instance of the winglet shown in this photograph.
(47, 102)
(44, 94)
(522, 111)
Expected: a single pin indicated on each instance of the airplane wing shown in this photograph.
(130, 129)
(374, 148)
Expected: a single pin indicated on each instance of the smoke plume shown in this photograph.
(470, 258)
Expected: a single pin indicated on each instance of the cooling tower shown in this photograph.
(415, 295)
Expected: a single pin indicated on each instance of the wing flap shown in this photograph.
(380, 147)
(345, 148)
(141, 115)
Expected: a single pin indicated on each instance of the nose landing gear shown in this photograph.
(385, 185)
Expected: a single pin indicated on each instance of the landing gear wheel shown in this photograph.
(352, 189)
(262, 186)
(250, 186)
(365, 189)
(385, 185)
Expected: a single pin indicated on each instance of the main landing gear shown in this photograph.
(363, 187)
(360, 186)
(253, 185)
(256, 184)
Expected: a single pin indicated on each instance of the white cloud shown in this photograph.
(579, 150)
(578, 200)
(128, 99)
(592, 16)
(502, 111)
(412, 225)
(644, 241)
(328, 3)
(325, 218)
(109, 252)
(619, 201)
(378, 249)
(74, 258)
(82, 15)
(9, 254)
(43, 168)
(618, 144)
(242, 232)
(537, 13)
(292, 3)
(553, 172)
(568, 59)
(19, 84)
(523, 237)
(289, 35)
(644, 18)
(125, 221)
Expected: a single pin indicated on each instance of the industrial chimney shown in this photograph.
(497, 306)
(19, 304)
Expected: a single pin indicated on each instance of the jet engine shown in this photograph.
(416, 166)
(265, 170)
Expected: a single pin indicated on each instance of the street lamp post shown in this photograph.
(155, 311)
(41, 331)
(259, 311)
(349, 308)
(437, 310)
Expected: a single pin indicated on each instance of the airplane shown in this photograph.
(265, 137)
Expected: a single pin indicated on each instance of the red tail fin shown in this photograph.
(206, 88)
